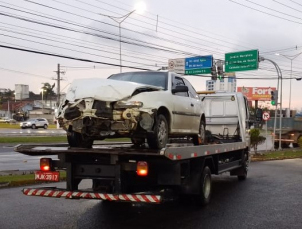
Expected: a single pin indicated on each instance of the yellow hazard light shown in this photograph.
(45, 164)
(142, 168)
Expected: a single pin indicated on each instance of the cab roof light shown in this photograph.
(142, 168)
(45, 164)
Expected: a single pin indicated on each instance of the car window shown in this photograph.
(192, 92)
(158, 79)
(177, 81)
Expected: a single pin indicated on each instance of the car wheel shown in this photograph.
(33, 126)
(159, 138)
(204, 195)
(76, 139)
(200, 139)
(45, 126)
(137, 141)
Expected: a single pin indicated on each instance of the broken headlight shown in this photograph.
(128, 104)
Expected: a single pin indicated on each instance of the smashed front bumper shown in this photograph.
(99, 118)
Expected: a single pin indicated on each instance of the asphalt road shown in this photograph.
(12, 161)
(269, 198)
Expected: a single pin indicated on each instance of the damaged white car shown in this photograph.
(152, 106)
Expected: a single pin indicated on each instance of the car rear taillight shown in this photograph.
(142, 168)
(45, 164)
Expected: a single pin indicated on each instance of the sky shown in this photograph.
(85, 29)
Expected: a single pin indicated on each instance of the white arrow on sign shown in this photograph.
(266, 116)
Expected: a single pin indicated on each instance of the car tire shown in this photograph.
(205, 193)
(200, 139)
(45, 126)
(159, 138)
(137, 141)
(76, 139)
(33, 126)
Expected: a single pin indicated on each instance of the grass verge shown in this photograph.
(17, 126)
(27, 179)
(48, 139)
(34, 139)
(278, 155)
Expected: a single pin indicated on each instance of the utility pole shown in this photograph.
(58, 84)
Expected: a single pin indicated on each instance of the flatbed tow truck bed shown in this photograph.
(178, 167)
(172, 151)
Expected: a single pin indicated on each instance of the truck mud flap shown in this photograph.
(61, 193)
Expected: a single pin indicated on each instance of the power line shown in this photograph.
(273, 9)
(265, 12)
(24, 73)
(69, 57)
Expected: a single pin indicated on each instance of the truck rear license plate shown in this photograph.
(47, 176)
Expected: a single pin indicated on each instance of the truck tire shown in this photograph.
(205, 187)
(159, 138)
(201, 135)
(75, 139)
(244, 168)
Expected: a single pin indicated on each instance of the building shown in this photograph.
(228, 84)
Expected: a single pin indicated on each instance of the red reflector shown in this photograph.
(45, 164)
(142, 168)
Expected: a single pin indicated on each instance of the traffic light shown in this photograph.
(274, 97)
(213, 72)
(220, 71)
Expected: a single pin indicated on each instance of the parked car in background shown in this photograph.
(35, 123)
(150, 105)
(6, 120)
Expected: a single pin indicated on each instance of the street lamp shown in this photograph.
(139, 8)
(291, 58)
(279, 73)
(42, 90)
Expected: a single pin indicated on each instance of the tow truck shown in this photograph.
(124, 173)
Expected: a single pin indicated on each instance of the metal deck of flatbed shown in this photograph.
(172, 151)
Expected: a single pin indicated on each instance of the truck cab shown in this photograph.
(227, 116)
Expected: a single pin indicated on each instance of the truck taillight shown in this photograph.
(142, 168)
(45, 164)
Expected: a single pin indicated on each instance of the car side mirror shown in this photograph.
(180, 89)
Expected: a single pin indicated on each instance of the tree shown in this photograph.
(256, 139)
(47, 90)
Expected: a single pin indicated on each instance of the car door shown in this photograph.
(39, 122)
(197, 106)
(183, 108)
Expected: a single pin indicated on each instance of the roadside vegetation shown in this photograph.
(278, 155)
(33, 139)
(17, 126)
(26, 179)
(48, 139)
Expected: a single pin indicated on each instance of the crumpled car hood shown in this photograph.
(104, 89)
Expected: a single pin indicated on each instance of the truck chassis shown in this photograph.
(177, 170)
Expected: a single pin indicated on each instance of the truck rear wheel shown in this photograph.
(244, 168)
(205, 187)
(76, 139)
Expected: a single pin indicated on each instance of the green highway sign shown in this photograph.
(198, 71)
(241, 61)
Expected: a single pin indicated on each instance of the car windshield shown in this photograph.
(30, 120)
(158, 79)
